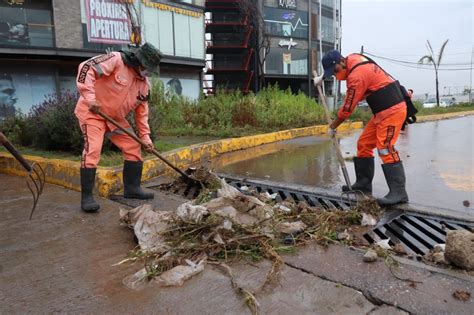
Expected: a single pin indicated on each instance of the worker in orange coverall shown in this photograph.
(365, 79)
(116, 84)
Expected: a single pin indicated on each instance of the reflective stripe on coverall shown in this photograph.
(119, 89)
(383, 129)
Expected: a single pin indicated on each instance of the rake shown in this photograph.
(35, 178)
(350, 194)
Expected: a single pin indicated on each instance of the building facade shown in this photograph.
(42, 43)
(297, 33)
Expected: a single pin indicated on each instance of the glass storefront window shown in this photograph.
(328, 3)
(174, 34)
(327, 29)
(28, 24)
(286, 23)
(287, 62)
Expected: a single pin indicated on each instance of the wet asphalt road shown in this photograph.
(438, 159)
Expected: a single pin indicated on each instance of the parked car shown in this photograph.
(430, 103)
(450, 101)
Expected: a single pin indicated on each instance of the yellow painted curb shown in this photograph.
(109, 179)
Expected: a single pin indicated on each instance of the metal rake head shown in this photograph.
(35, 181)
(353, 197)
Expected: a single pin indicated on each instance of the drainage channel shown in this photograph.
(417, 232)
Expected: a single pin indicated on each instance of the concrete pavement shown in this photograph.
(61, 262)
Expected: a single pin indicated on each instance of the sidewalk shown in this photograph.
(61, 262)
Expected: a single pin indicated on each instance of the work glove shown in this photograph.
(331, 131)
(318, 80)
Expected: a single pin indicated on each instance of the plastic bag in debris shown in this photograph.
(179, 274)
(229, 195)
(190, 213)
(137, 281)
(147, 225)
(368, 220)
(384, 244)
(228, 191)
(291, 227)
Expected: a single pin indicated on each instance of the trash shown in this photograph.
(399, 249)
(439, 248)
(282, 208)
(368, 220)
(370, 256)
(244, 188)
(136, 281)
(179, 274)
(147, 225)
(290, 227)
(344, 236)
(438, 258)
(466, 203)
(270, 196)
(460, 249)
(384, 244)
(188, 212)
(462, 295)
(224, 225)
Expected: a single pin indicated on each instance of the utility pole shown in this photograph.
(310, 59)
(321, 42)
(470, 77)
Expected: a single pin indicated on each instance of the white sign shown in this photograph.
(287, 4)
(290, 43)
(107, 22)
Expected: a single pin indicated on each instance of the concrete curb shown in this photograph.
(109, 179)
(436, 117)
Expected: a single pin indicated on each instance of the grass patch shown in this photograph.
(444, 110)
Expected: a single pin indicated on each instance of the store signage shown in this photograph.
(165, 7)
(287, 4)
(287, 43)
(107, 22)
(287, 58)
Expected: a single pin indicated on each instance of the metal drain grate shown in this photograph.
(314, 200)
(418, 233)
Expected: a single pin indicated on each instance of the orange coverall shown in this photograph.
(383, 129)
(119, 89)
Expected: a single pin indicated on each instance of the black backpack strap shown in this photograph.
(372, 61)
(359, 64)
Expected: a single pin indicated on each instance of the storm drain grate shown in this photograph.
(312, 199)
(418, 233)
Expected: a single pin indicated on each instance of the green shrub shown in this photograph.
(53, 125)
(17, 129)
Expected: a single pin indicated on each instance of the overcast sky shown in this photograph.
(399, 29)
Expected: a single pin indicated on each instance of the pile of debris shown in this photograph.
(223, 225)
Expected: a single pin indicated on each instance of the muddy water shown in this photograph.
(438, 158)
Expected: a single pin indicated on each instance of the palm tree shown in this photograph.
(427, 59)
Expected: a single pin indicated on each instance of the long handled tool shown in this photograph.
(185, 176)
(35, 178)
(335, 142)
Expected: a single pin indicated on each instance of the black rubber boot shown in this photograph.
(88, 203)
(395, 177)
(132, 177)
(364, 170)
